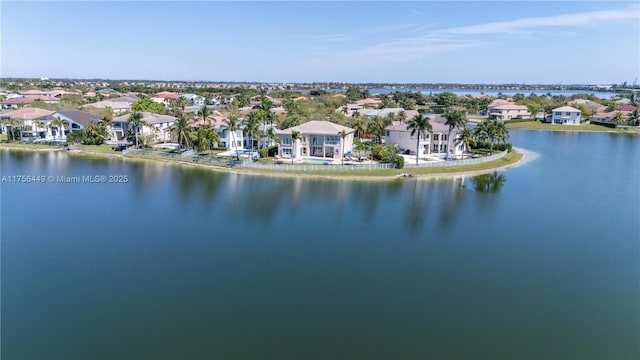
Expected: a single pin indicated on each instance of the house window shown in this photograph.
(435, 137)
(568, 114)
(286, 151)
(332, 140)
(387, 132)
(444, 137)
(286, 141)
(558, 114)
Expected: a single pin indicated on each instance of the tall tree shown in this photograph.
(402, 116)
(135, 121)
(467, 138)
(37, 124)
(359, 126)
(182, 130)
(618, 118)
(232, 125)
(455, 120)
(60, 124)
(295, 136)
(343, 135)
(634, 117)
(421, 126)
(252, 127)
(204, 113)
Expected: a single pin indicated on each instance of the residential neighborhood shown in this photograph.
(297, 125)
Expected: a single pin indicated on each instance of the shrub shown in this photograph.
(75, 137)
(496, 146)
(399, 162)
(384, 153)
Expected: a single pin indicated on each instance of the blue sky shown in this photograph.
(405, 42)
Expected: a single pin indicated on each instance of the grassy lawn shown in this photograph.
(508, 159)
(4, 137)
(536, 125)
(104, 149)
(28, 146)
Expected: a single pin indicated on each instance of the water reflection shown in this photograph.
(488, 183)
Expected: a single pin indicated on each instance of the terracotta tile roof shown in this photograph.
(167, 95)
(626, 107)
(28, 114)
(29, 99)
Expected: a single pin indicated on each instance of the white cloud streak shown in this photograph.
(567, 20)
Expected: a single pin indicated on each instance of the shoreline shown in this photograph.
(283, 174)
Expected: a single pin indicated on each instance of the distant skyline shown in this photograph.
(350, 42)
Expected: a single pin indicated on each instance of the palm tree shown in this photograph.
(634, 117)
(343, 135)
(13, 125)
(60, 124)
(37, 124)
(295, 136)
(264, 110)
(455, 120)
(204, 112)
(467, 138)
(252, 127)
(402, 116)
(232, 125)
(618, 118)
(182, 130)
(135, 120)
(359, 126)
(376, 128)
(420, 125)
(491, 130)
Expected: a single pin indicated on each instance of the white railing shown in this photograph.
(346, 167)
(457, 162)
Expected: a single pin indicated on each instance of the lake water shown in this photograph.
(541, 261)
(495, 93)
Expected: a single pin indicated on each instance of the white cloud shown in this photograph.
(567, 20)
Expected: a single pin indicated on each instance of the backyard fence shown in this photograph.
(458, 162)
(327, 167)
(185, 156)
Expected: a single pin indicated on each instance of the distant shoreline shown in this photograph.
(368, 175)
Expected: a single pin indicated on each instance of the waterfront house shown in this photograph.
(77, 120)
(317, 139)
(494, 104)
(29, 119)
(508, 112)
(565, 115)
(157, 127)
(435, 142)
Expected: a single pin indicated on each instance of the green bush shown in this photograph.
(496, 146)
(75, 137)
(270, 152)
(384, 153)
(399, 162)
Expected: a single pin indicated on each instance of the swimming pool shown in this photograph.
(317, 161)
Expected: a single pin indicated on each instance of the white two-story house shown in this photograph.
(157, 127)
(317, 139)
(565, 115)
(435, 142)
